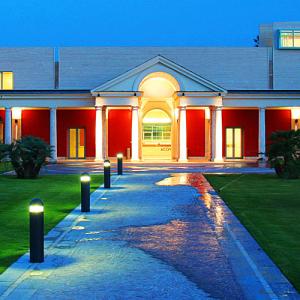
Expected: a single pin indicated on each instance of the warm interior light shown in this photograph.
(36, 208)
(16, 113)
(85, 178)
(207, 113)
(120, 155)
(295, 113)
(106, 164)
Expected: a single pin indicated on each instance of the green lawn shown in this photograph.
(5, 167)
(269, 207)
(60, 193)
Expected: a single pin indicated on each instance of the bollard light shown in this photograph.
(36, 230)
(120, 163)
(106, 174)
(85, 192)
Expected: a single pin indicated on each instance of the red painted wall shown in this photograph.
(36, 122)
(276, 120)
(248, 121)
(195, 121)
(2, 115)
(119, 131)
(85, 118)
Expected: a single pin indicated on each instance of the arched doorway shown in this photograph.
(157, 135)
(159, 131)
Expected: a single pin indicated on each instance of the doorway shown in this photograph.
(234, 143)
(157, 135)
(76, 143)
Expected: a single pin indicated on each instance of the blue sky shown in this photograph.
(139, 22)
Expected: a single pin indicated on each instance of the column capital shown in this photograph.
(262, 108)
(182, 107)
(99, 107)
(135, 107)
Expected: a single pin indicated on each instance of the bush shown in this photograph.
(284, 155)
(27, 156)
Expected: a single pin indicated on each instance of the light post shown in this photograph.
(120, 163)
(106, 166)
(85, 180)
(36, 230)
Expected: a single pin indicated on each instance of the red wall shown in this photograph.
(85, 118)
(195, 119)
(36, 123)
(276, 120)
(2, 115)
(119, 131)
(248, 121)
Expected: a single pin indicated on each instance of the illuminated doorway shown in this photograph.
(76, 143)
(234, 143)
(157, 133)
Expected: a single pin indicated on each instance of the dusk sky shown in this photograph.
(139, 22)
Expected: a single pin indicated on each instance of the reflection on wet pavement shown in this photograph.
(191, 244)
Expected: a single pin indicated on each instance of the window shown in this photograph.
(157, 133)
(289, 39)
(234, 143)
(6, 80)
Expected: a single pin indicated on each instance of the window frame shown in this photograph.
(2, 78)
(280, 46)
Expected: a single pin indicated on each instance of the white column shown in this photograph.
(182, 134)
(212, 133)
(53, 133)
(218, 134)
(8, 120)
(135, 134)
(262, 132)
(99, 134)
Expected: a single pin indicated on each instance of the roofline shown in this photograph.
(7, 92)
(263, 91)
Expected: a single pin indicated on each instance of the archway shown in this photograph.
(159, 132)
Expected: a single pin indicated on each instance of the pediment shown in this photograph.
(130, 80)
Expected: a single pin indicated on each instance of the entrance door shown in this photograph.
(234, 143)
(76, 143)
(157, 135)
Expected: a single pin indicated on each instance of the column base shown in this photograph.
(218, 160)
(182, 160)
(135, 160)
(99, 159)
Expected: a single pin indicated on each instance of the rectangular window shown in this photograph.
(157, 133)
(289, 39)
(6, 80)
(234, 143)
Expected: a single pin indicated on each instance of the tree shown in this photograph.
(284, 154)
(256, 41)
(27, 155)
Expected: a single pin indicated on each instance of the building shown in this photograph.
(170, 103)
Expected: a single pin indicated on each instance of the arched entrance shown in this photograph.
(159, 132)
(157, 135)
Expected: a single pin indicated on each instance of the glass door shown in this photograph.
(76, 143)
(234, 142)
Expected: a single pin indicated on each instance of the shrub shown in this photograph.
(27, 155)
(284, 155)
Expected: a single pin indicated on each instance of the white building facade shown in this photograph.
(154, 103)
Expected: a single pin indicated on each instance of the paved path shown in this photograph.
(207, 167)
(144, 240)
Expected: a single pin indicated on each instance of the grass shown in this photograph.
(5, 167)
(60, 193)
(269, 208)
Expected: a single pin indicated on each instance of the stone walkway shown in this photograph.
(151, 236)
